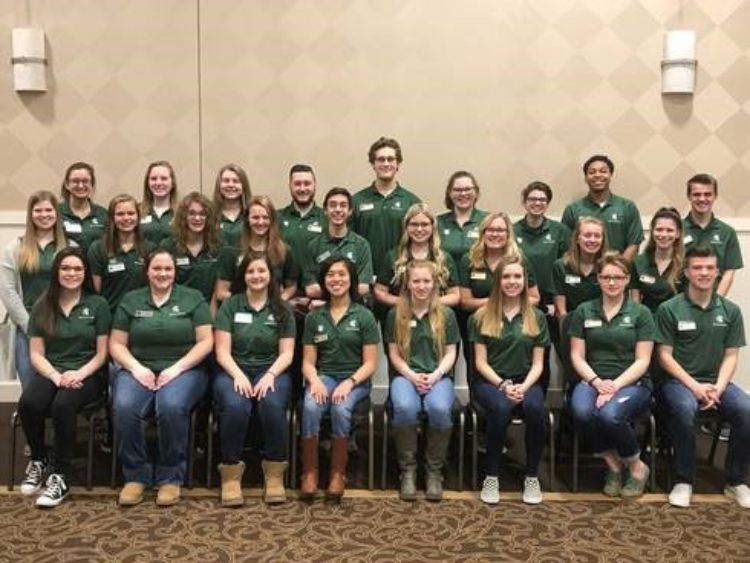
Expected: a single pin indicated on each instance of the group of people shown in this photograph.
(168, 301)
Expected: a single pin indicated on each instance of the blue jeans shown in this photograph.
(408, 403)
(341, 415)
(610, 427)
(23, 360)
(499, 410)
(682, 407)
(234, 412)
(172, 405)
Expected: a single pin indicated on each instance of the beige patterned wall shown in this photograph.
(511, 90)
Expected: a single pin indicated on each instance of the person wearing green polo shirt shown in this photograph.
(611, 340)
(702, 227)
(26, 268)
(254, 347)
(422, 335)
(620, 215)
(657, 271)
(231, 195)
(379, 209)
(510, 336)
(68, 331)
(159, 201)
(160, 336)
(260, 233)
(699, 334)
(459, 226)
(83, 220)
(339, 357)
(117, 258)
(337, 240)
(195, 245)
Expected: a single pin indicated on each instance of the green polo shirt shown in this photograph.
(386, 273)
(699, 337)
(457, 240)
(198, 272)
(159, 336)
(297, 230)
(83, 231)
(610, 345)
(576, 288)
(230, 231)
(351, 246)
(423, 356)
(74, 342)
(542, 246)
(255, 333)
(120, 273)
(719, 236)
(33, 284)
(231, 257)
(510, 353)
(479, 280)
(379, 219)
(155, 229)
(340, 345)
(654, 287)
(620, 216)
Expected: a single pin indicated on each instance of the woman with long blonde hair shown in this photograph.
(159, 201)
(422, 335)
(231, 195)
(509, 336)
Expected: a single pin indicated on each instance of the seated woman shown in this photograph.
(69, 330)
(611, 340)
(254, 346)
(160, 335)
(422, 336)
(339, 357)
(509, 336)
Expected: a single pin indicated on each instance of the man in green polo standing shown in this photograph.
(302, 218)
(620, 215)
(699, 333)
(702, 227)
(379, 209)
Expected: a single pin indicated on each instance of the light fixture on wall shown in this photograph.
(679, 63)
(29, 60)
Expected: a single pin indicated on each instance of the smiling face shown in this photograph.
(496, 234)
(43, 215)
(598, 176)
(230, 185)
(259, 220)
(463, 194)
(160, 272)
(196, 217)
(302, 188)
(536, 203)
(385, 164)
(590, 238)
(665, 233)
(419, 228)
(338, 210)
(420, 283)
(79, 183)
(71, 273)
(160, 181)
(702, 197)
(125, 216)
(257, 275)
(613, 280)
(337, 280)
(512, 281)
(702, 272)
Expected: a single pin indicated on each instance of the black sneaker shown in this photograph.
(56, 491)
(35, 473)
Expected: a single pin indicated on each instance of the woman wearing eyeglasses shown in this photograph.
(611, 340)
(83, 220)
(459, 226)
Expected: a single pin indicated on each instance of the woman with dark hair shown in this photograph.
(254, 334)
(83, 220)
(117, 259)
(339, 357)
(231, 196)
(161, 334)
(459, 226)
(68, 331)
(26, 270)
(159, 201)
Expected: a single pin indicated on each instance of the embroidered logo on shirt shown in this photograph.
(350, 256)
(716, 239)
(446, 232)
(719, 320)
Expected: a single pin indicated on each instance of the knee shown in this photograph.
(341, 415)
(170, 406)
(62, 409)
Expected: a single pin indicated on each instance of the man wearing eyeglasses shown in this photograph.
(379, 209)
(699, 334)
(620, 215)
(702, 227)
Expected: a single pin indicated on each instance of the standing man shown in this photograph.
(702, 228)
(379, 209)
(699, 334)
(620, 215)
(302, 218)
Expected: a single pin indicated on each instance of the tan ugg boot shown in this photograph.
(273, 481)
(231, 484)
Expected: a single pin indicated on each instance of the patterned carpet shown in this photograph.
(371, 528)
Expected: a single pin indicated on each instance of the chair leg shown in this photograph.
(552, 452)
(652, 426)
(714, 443)
(14, 423)
(474, 449)
(384, 459)
(210, 448)
(288, 477)
(461, 447)
(93, 419)
(293, 448)
(191, 449)
(371, 448)
(113, 464)
(575, 460)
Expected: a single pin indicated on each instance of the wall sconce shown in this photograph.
(678, 64)
(29, 60)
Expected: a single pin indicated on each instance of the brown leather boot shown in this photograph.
(339, 458)
(309, 481)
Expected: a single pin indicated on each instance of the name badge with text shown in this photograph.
(592, 323)
(686, 325)
(243, 318)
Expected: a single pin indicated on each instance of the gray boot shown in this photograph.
(406, 451)
(438, 440)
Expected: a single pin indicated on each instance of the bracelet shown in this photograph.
(273, 373)
(503, 384)
(591, 381)
(353, 380)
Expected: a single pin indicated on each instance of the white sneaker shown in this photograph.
(55, 492)
(532, 491)
(35, 474)
(740, 493)
(490, 490)
(680, 495)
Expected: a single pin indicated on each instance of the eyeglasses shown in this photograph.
(536, 199)
(463, 190)
(495, 230)
(197, 214)
(610, 279)
(79, 182)
(382, 159)
(419, 225)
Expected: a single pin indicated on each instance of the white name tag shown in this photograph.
(592, 323)
(474, 234)
(146, 219)
(686, 325)
(144, 314)
(412, 323)
(572, 280)
(688, 239)
(479, 275)
(647, 279)
(115, 267)
(182, 261)
(73, 227)
(366, 206)
(318, 338)
(315, 228)
(322, 257)
(243, 318)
